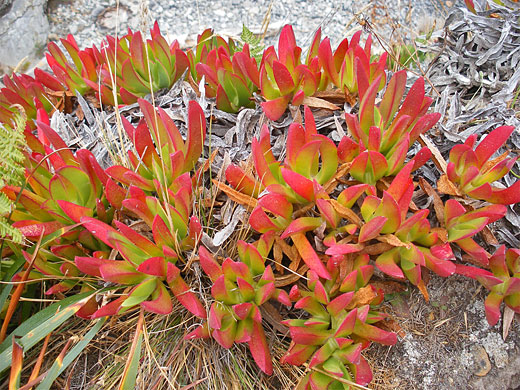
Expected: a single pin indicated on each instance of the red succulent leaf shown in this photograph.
(242, 310)
(109, 309)
(369, 167)
(299, 184)
(243, 182)
(275, 108)
(413, 104)
(342, 249)
(510, 195)
(90, 265)
(201, 331)
(362, 372)
(99, 229)
(492, 305)
(298, 354)
(347, 325)
(493, 141)
(196, 135)
(155, 266)
(260, 350)
(120, 272)
(301, 225)
(372, 228)
(161, 302)
(309, 256)
(74, 211)
(209, 264)
(367, 105)
(392, 97)
(339, 303)
(325, 56)
(182, 292)
(386, 262)
(114, 194)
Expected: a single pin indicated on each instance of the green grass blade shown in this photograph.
(40, 325)
(129, 376)
(58, 367)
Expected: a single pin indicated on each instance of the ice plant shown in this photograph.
(239, 289)
(462, 225)
(471, 169)
(340, 324)
(311, 157)
(231, 75)
(25, 91)
(382, 133)
(503, 281)
(283, 78)
(311, 162)
(350, 68)
(70, 76)
(136, 68)
(146, 266)
(62, 186)
(161, 155)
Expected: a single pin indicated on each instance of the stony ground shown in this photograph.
(91, 20)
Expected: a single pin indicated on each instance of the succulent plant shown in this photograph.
(472, 171)
(503, 281)
(462, 225)
(340, 325)
(382, 134)
(239, 289)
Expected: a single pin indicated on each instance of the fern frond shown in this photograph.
(6, 230)
(256, 47)
(12, 142)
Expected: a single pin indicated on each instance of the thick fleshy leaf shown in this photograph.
(298, 354)
(162, 302)
(510, 195)
(492, 304)
(309, 256)
(210, 266)
(493, 141)
(275, 108)
(392, 97)
(372, 228)
(386, 262)
(301, 225)
(120, 272)
(260, 350)
(182, 292)
(196, 135)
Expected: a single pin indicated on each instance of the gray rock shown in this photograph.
(23, 31)
(5, 5)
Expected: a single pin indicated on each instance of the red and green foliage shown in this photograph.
(349, 68)
(382, 134)
(146, 267)
(283, 78)
(130, 227)
(340, 324)
(239, 289)
(231, 75)
(25, 91)
(161, 155)
(503, 281)
(473, 172)
(462, 225)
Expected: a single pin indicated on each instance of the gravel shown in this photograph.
(91, 20)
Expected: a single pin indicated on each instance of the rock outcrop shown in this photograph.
(23, 31)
